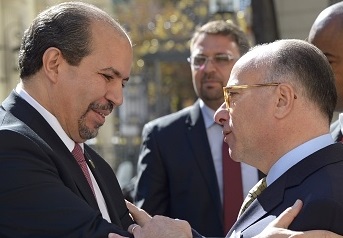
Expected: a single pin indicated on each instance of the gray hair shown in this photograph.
(305, 67)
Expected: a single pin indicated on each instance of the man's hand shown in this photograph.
(160, 226)
(278, 228)
(155, 227)
(138, 215)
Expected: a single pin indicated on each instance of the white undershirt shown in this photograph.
(56, 126)
(340, 118)
(215, 139)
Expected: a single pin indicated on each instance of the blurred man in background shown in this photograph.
(327, 34)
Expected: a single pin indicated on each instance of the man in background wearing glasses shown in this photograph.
(180, 172)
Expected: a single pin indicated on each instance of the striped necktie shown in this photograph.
(80, 158)
(253, 194)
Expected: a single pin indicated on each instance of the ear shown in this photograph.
(52, 59)
(285, 100)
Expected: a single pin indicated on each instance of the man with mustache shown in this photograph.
(74, 61)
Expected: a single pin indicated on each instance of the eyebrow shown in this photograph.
(115, 72)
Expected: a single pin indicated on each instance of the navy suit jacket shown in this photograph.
(44, 192)
(176, 174)
(317, 181)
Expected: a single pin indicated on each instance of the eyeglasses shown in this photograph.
(199, 61)
(228, 90)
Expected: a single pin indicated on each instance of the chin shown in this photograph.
(86, 133)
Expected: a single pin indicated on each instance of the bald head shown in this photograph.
(296, 62)
(327, 34)
(331, 17)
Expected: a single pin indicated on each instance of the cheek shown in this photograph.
(338, 78)
(246, 123)
(196, 78)
(225, 74)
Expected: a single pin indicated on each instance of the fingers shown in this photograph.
(278, 227)
(112, 235)
(132, 228)
(286, 218)
(139, 215)
(320, 234)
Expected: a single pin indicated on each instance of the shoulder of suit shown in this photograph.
(171, 119)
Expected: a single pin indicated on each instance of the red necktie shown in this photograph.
(232, 189)
(80, 158)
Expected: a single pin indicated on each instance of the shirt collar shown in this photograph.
(207, 113)
(296, 155)
(51, 119)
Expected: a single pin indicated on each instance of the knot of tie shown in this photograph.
(253, 194)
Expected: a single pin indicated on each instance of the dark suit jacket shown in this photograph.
(176, 174)
(43, 191)
(317, 181)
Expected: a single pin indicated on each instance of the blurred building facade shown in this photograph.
(146, 97)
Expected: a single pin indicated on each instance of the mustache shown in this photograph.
(209, 77)
(96, 106)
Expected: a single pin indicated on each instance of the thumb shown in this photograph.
(287, 216)
(112, 235)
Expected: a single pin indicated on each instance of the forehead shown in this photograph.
(112, 48)
(212, 44)
(328, 38)
(247, 70)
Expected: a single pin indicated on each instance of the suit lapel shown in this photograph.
(270, 198)
(104, 189)
(31, 117)
(195, 131)
(273, 195)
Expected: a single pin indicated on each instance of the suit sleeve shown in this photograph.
(35, 202)
(152, 189)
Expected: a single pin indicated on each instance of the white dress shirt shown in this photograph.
(56, 126)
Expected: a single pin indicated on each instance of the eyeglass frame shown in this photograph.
(209, 58)
(243, 86)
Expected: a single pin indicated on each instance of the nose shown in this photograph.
(208, 65)
(114, 93)
(221, 115)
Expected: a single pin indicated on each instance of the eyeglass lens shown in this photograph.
(221, 59)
